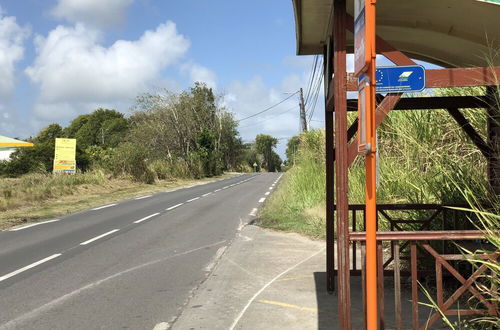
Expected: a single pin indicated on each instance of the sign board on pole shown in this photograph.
(65, 156)
(400, 79)
(361, 49)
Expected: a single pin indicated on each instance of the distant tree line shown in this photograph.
(186, 134)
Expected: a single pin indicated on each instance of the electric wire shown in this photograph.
(273, 116)
(267, 109)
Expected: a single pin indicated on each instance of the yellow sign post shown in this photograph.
(65, 156)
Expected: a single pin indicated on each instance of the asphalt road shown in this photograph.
(129, 265)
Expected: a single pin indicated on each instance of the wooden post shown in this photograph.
(330, 159)
(342, 204)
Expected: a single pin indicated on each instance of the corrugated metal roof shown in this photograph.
(451, 33)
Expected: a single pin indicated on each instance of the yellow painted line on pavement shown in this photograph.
(277, 303)
(293, 278)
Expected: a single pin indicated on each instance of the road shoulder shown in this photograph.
(264, 280)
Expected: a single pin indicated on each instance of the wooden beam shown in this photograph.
(456, 77)
(470, 131)
(435, 102)
(462, 77)
(341, 167)
(330, 179)
(382, 110)
(353, 129)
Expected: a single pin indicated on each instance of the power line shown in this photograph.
(316, 95)
(273, 116)
(267, 109)
(311, 78)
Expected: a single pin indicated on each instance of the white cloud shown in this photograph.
(199, 73)
(72, 69)
(12, 37)
(245, 98)
(100, 13)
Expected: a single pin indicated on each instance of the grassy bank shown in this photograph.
(423, 156)
(38, 196)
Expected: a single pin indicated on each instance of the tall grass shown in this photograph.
(34, 188)
(421, 152)
(298, 203)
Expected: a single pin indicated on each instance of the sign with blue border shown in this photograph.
(400, 79)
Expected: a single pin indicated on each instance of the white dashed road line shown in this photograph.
(254, 212)
(39, 262)
(192, 199)
(204, 195)
(217, 190)
(33, 225)
(262, 200)
(267, 193)
(142, 197)
(103, 207)
(146, 218)
(100, 236)
(173, 207)
(271, 188)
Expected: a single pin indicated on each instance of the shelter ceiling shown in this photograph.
(450, 33)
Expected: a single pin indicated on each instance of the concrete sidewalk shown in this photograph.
(271, 280)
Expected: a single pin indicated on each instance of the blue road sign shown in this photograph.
(400, 79)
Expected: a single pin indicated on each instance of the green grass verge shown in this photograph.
(38, 196)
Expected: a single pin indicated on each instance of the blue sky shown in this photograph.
(63, 58)
(68, 57)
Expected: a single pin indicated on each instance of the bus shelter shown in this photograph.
(463, 38)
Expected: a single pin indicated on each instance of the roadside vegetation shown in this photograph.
(424, 158)
(169, 139)
(423, 155)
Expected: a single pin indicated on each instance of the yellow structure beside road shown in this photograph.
(65, 156)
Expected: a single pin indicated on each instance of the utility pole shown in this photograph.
(303, 120)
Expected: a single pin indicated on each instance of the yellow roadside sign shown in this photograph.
(65, 156)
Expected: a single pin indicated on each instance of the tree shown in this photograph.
(103, 127)
(189, 126)
(264, 145)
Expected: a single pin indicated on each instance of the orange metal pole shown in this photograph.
(371, 188)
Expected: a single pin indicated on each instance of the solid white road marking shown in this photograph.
(192, 199)
(146, 218)
(103, 207)
(254, 212)
(100, 236)
(262, 200)
(33, 225)
(142, 197)
(39, 262)
(162, 326)
(206, 194)
(173, 207)
(267, 193)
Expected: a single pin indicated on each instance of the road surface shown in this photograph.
(126, 265)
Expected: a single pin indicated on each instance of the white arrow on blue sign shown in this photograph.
(400, 79)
